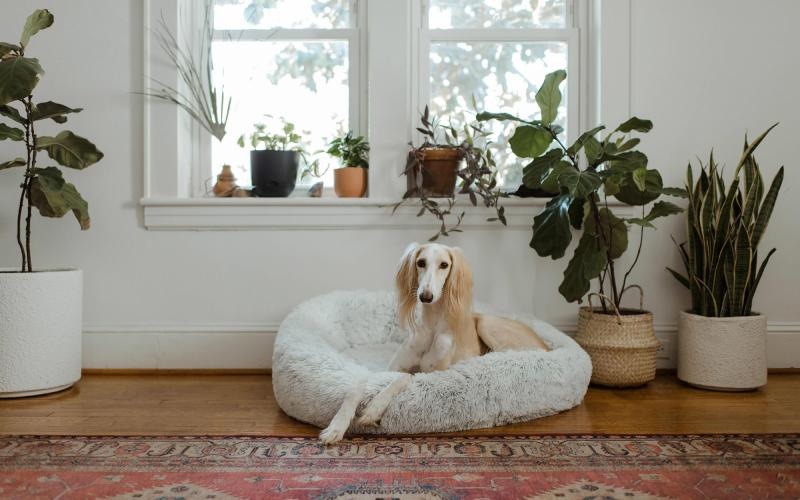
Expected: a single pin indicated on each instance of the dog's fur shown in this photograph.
(434, 287)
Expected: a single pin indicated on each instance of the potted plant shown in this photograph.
(432, 168)
(274, 169)
(478, 175)
(40, 309)
(721, 341)
(350, 180)
(619, 340)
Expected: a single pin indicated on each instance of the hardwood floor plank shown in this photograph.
(213, 404)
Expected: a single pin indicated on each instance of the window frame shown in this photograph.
(423, 38)
(389, 107)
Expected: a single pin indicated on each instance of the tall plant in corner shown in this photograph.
(584, 175)
(42, 187)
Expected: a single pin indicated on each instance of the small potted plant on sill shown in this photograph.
(40, 309)
(619, 340)
(721, 341)
(274, 167)
(478, 176)
(350, 180)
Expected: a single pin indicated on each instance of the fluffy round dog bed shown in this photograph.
(331, 342)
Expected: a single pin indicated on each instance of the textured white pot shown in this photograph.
(728, 354)
(40, 331)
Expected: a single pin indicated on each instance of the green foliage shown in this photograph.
(205, 102)
(42, 188)
(283, 138)
(478, 177)
(353, 151)
(724, 229)
(582, 177)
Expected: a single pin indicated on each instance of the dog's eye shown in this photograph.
(444, 265)
(421, 263)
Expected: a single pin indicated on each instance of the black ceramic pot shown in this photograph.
(273, 173)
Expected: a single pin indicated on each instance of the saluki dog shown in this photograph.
(434, 303)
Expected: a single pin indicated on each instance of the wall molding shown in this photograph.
(249, 346)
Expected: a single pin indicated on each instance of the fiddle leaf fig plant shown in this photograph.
(582, 177)
(44, 188)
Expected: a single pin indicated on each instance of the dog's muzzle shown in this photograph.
(426, 297)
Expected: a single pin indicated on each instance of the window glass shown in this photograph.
(502, 77)
(504, 14)
(244, 14)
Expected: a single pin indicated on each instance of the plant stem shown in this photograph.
(635, 260)
(610, 262)
(30, 142)
(23, 187)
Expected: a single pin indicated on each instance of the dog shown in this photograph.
(434, 305)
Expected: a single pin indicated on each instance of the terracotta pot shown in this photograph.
(622, 345)
(439, 169)
(725, 354)
(350, 182)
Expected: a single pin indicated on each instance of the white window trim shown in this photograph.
(391, 55)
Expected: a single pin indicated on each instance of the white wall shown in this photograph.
(704, 72)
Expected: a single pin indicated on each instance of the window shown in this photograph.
(297, 60)
(497, 51)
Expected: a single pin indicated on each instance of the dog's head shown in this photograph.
(432, 273)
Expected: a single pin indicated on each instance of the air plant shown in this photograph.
(203, 100)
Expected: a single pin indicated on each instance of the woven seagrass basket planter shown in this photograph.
(622, 345)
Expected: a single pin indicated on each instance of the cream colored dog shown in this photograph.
(434, 287)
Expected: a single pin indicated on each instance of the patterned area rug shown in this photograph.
(563, 467)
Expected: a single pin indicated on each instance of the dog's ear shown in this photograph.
(458, 289)
(406, 281)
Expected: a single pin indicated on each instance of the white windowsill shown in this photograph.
(303, 213)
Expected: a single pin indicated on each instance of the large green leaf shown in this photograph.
(54, 110)
(579, 184)
(16, 162)
(631, 195)
(39, 20)
(660, 209)
(636, 124)
(70, 150)
(593, 150)
(613, 232)
(577, 145)
(54, 197)
(530, 141)
(676, 192)
(577, 212)
(11, 113)
(549, 96)
(7, 48)
(18, 78)
(627, 161)
(485, 116)
(550, 181)
(586, 264)
(12, 133)
(551, 229)
(766, 207)
(535, 171)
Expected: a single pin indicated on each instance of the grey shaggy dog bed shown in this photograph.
(329, 343)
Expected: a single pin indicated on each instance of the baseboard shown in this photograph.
(230, 348)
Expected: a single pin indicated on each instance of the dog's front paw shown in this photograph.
(332, 434)
(372, 415)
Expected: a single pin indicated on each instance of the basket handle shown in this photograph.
(641, 295)
(591, 306)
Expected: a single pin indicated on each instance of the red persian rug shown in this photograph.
(563, 467)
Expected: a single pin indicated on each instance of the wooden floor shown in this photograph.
(244, 405)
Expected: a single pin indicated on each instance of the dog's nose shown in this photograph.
(426, 297)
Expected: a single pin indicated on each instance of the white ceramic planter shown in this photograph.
(728, 354)
(40, 331)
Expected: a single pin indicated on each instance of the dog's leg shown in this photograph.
(377, 407)
(341, 421)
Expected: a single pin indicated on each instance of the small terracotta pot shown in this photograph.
(723, 354)
(439, 169)
(350, 182)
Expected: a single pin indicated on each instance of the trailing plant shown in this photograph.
(353, 151)
(724, 229)
(42, 187)
(478, 176)
(203, 99)
(584, 175)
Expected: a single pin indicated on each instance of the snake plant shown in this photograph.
(724, 230)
